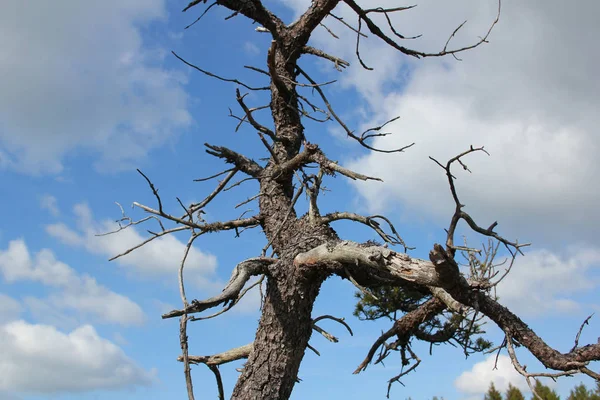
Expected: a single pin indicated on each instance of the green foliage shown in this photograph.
(513, 393)
(385, 301)
(581, 392)
(493, 393)
(447, 327)
(544, 392)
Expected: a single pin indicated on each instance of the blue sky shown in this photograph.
(89, 92)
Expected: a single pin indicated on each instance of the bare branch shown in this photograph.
(253, 9)
(154, 190)
(404, 326)
(151, 238)
(338, 320)
(222, 358)
(201, 15)
(371, 222)
(513, 325)
(362, 15)
(240, 275)
(353, 29)
(232, 303)
(342, 123)
(243, 163)
(460, 214)
(405, 372)
(199, 206)
(205, 227)
(338, 62)
(217, 76)
(261, 128)
(214, 176)
(583, 324)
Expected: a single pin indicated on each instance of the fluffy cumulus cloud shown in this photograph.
(529, 96)
(78, 293)
(160, 256)
(545, 283)
(63, 362)
(477, 381)
(77, 76)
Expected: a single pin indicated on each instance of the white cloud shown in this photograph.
(63, 362)
(89, 85)
(161, 256)
(529, 96)
(9, 308)
(48, 202)
(478, 379)
(78, 293)
(544, 283)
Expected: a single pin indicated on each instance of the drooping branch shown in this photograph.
(375, 30)
(370, 264)
(577, 359)
(240, 275)
(403, 327)
(326, 334)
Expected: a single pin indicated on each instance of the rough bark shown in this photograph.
(283, 333)
(285, 325)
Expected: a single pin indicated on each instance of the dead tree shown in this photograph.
(435, 300)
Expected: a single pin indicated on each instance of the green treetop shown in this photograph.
(544, 392)
(513, 393)
(493, 393)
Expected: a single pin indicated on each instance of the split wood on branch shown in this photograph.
(371, 265)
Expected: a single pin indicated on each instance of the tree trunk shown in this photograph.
(282, 336)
